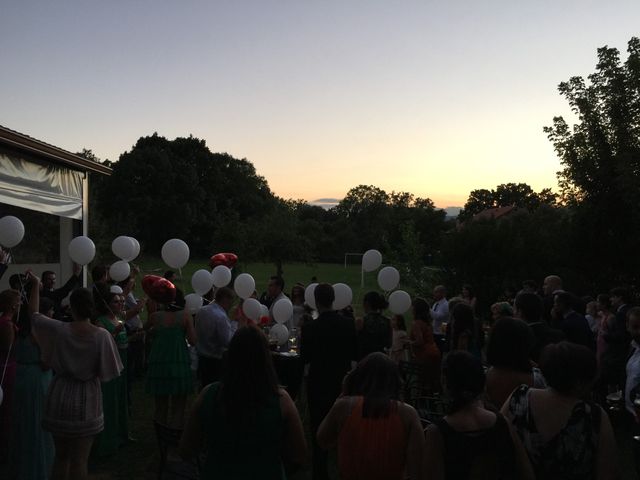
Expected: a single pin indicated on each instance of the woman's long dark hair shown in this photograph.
(376, 378)
(249, 379)
(464, 379)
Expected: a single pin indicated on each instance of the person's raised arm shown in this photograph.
(34, 296)
(294, 445)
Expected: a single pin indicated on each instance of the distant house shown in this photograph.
(494, 213)
(43, 184)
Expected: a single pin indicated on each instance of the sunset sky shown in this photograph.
(431, 97)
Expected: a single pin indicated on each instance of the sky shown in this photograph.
(431, 97)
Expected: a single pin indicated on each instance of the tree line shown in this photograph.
(588, 233)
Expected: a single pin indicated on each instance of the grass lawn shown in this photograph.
(292, 273)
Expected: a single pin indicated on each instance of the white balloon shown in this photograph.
(388, 278)
(264, 311)
(283, 310)
(175, 253)
(136, 249)
(399, 302)
(280, 332)
(221, 276)
(117, 289)
(201, 281)
(344, 296)
(252, 309)
(309, 295)
(123, 247)
(192, 302)
(119, 270)
(371, 260)
(11, 231)
(244, 285)
(82, 250)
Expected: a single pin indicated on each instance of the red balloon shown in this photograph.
(226, 259)
(159, 289)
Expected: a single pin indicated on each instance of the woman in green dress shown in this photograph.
(169, 375)
(31, 450)
(110, 308)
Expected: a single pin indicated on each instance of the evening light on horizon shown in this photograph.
(432, 98)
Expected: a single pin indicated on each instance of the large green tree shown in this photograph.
(508, 194)
(600, 157)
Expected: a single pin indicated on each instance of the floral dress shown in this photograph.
(571, 453)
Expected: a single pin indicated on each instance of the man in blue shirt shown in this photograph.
(214, 330)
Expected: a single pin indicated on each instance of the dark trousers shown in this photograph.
(209, 370)
(320, 401)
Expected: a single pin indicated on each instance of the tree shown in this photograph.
(505, 195)
(600, 157)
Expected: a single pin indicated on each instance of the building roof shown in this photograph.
(494, 213)
(25, 143)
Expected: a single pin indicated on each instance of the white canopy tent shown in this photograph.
(42, 178)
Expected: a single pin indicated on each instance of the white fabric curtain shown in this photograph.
(39, 186)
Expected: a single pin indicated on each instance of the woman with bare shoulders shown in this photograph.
(82, 355)
(550, 420)
(377, 435)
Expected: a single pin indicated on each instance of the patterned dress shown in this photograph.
(571, 453)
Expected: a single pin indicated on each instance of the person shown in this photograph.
(297, 299)
(632, 385)
(573, 324)
(377, 436)
(58, 294)
(374, 329)
(592, 316)
(328, 345)
(248, 425)
(605, 322)
(551, 286)
(169, 377)
(31, 450)
(509, 357)
(617, 340)
(471, 441)
(9, 308)
(528, 307)
(275, 292)
(115, 402)
(469, 296)
(439, 311)
(214, 330)
(563, 435)
(399, 344)
(82, 355)
(424, 350)
(501, 310)
(464, 330)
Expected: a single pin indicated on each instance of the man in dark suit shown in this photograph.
(617, 339)
(528, 307)
(574, 325)
(328, 346)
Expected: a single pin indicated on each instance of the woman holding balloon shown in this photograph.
(169, 376)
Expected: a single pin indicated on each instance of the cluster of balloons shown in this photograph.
(388, 280)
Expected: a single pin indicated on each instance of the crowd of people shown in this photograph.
(522, 393)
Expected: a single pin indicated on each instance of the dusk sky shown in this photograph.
(434, 98)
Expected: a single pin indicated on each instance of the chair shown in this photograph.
(170, 438)
(412, 385)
